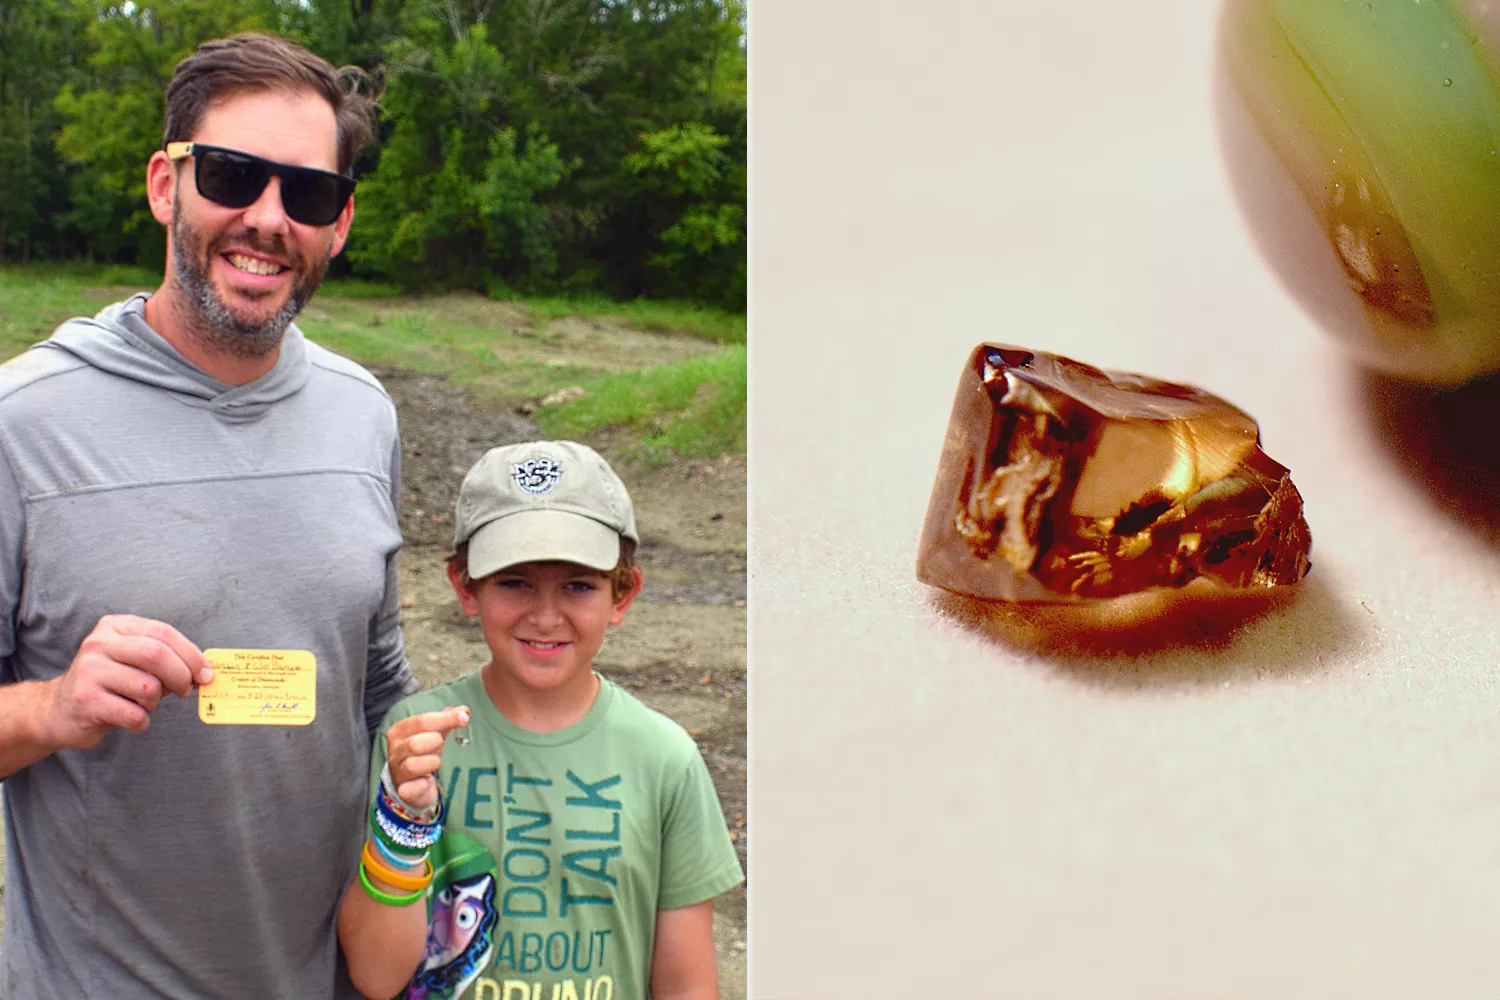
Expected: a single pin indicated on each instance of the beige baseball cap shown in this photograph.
(540, 501)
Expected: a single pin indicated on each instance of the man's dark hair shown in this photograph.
(252, 61)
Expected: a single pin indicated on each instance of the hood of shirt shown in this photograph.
(119, 341)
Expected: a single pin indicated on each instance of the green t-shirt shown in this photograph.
(559, 849)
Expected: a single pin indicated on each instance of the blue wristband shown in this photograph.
(402, 833)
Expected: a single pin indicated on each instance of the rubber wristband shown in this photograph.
(406, 840)
(407, 836)
(403, 855)
(385, 897)
(385, 853)
(388, 875)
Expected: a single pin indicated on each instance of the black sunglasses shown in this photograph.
(235, 180)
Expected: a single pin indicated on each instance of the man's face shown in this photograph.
(247, 272)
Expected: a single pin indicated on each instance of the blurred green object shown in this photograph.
(1363, 141)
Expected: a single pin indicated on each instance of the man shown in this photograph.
(185, 472)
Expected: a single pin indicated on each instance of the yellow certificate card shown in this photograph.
(260, 687)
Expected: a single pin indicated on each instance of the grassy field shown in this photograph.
(665, 378)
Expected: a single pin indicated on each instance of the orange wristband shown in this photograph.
(389, 875)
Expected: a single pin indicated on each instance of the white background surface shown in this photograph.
(1304, 801)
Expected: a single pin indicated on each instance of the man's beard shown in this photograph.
(212, 322)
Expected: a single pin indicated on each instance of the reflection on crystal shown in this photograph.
(1060, 482)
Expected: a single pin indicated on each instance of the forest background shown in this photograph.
(542, 147)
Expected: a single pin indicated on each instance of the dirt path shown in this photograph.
(681, 649)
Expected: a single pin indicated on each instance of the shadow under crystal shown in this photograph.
(1200, 635)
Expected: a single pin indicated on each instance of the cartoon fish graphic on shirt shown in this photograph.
(460, 939)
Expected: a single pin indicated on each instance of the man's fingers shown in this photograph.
(125, 681)
(120, 713)
(122, 669)
(143, 644)
(151, 656)
(130, 708)
(184, 652)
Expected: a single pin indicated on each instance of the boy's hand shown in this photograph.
(414, 749)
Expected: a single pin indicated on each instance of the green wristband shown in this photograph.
(385, 897)
(414, 856)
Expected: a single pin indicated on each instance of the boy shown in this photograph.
(568, 836)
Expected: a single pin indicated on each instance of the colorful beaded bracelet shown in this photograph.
(399, 805)
(399, 855)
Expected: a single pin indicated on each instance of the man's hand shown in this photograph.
(414, 749)
(122, 669)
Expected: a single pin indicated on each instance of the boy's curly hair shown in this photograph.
(621, 578)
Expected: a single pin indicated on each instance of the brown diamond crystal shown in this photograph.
(1062, 482)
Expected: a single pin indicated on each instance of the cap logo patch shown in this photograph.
(536, 475)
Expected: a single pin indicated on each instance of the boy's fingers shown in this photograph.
(415, 744)
(455, 718)
(424, 742)
(447, 720)
(444, 721)
(414, 767)
(419, 792)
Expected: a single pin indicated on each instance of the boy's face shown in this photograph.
(544, 621)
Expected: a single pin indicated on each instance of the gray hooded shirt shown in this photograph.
(193, 860)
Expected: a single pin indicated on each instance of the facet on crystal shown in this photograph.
(1062, 482)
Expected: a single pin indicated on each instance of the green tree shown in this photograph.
(658, 65)
(455, 199)
(113, 119)
(540, 102)
(38, 39)
(547, 145)
(690, 181)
